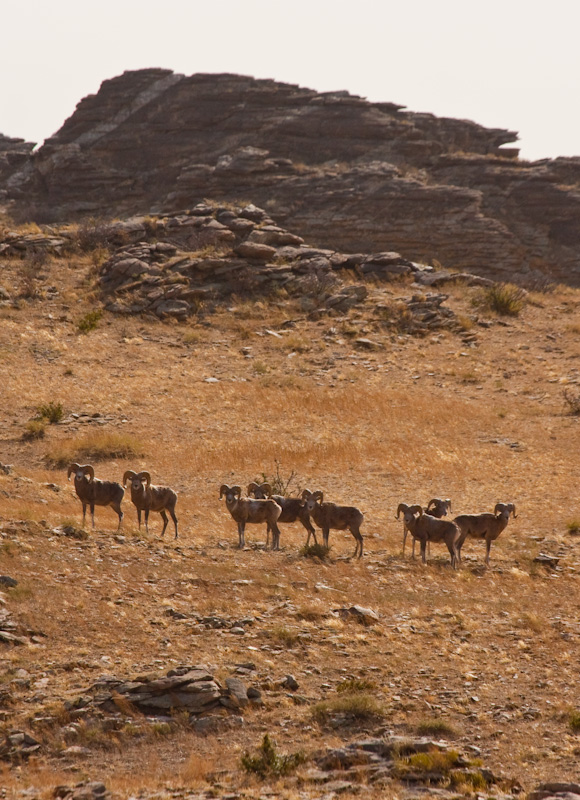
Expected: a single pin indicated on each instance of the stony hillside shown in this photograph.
(341, 172)
(140, 667)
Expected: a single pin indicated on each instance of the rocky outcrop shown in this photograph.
(340, 171)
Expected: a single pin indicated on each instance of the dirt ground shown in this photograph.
(490, 653)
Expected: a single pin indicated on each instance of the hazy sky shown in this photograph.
(503, 63)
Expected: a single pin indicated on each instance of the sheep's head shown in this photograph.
(310, 499)
(260, 491)
(80, 471)
(505, 509)
(231, 492)
(439, 506)
(402, 508)
(409, 513)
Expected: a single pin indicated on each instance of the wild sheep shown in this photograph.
(93, 492)
(427, 528)
(151, 498)
(329, 516)
(245, 509)
(293, 508)
(440, 508)
(484, 526)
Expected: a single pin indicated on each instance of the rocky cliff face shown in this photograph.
(340, 171)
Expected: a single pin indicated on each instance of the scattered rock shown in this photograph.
(364, 615)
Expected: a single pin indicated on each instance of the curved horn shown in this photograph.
(73, 468)
(145, 476)
(318, 495)
(252, 488)
(432, 502)
(266, 488)
(512, 508)
(415, 509)
(89, 470)
(237, 490)
(448, 504)
(306, 494)
(128, 476)
(402, 507)
(224, 489)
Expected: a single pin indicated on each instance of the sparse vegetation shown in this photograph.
(572, 400)
(503, 298)
(89, 321)
(573, 526)
(574, 721)
(316, 550)
(97, 446)
(355, 686)
(35, 429)
(268, 763)
(436, 727)
(52, 412)
(358, 706)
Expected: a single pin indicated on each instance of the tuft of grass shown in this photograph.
(89, 321)
(355, 686)
(52, 412)
(315, 551)
(435, 727)
(96, 446)
(532, 622)
(572, 400)
(269, 763)
(34, 429)
(358, 706)
(283, 636)
(574, 721)
(503, 298)
(573, 527)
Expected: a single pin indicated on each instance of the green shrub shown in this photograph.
(574, 721)
(90, 321)
(51, 412)
(268, 763)
(315, 551)
(354, 686)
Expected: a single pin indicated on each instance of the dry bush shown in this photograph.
(503, 298)
(358, 706)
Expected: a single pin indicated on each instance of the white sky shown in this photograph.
(503, 63)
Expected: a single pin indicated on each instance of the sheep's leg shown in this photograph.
(84, 514)
(92, 507)
(488, 548)
(147, 520)
(241, 536)
(413, 553)
(275, 537)
(117, 508)
(139, 517)
(405, 538)
(359, 542)
(165, 520)
(308, 525)
(452, 553)
(268, 534)
(174, 518)
(423, 548)
(325, 534)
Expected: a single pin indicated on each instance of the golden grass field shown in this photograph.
(493, 653)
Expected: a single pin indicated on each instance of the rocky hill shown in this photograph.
(338, 170)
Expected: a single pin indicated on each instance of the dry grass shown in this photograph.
(405, 429)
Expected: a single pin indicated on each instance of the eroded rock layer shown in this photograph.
(338, 170)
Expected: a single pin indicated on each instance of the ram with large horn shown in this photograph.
(330, 516)
(427, 529)
(146, 497)
(247, 510)
(436, 507)
(293, 508)
(94, 492)
(484, 526)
